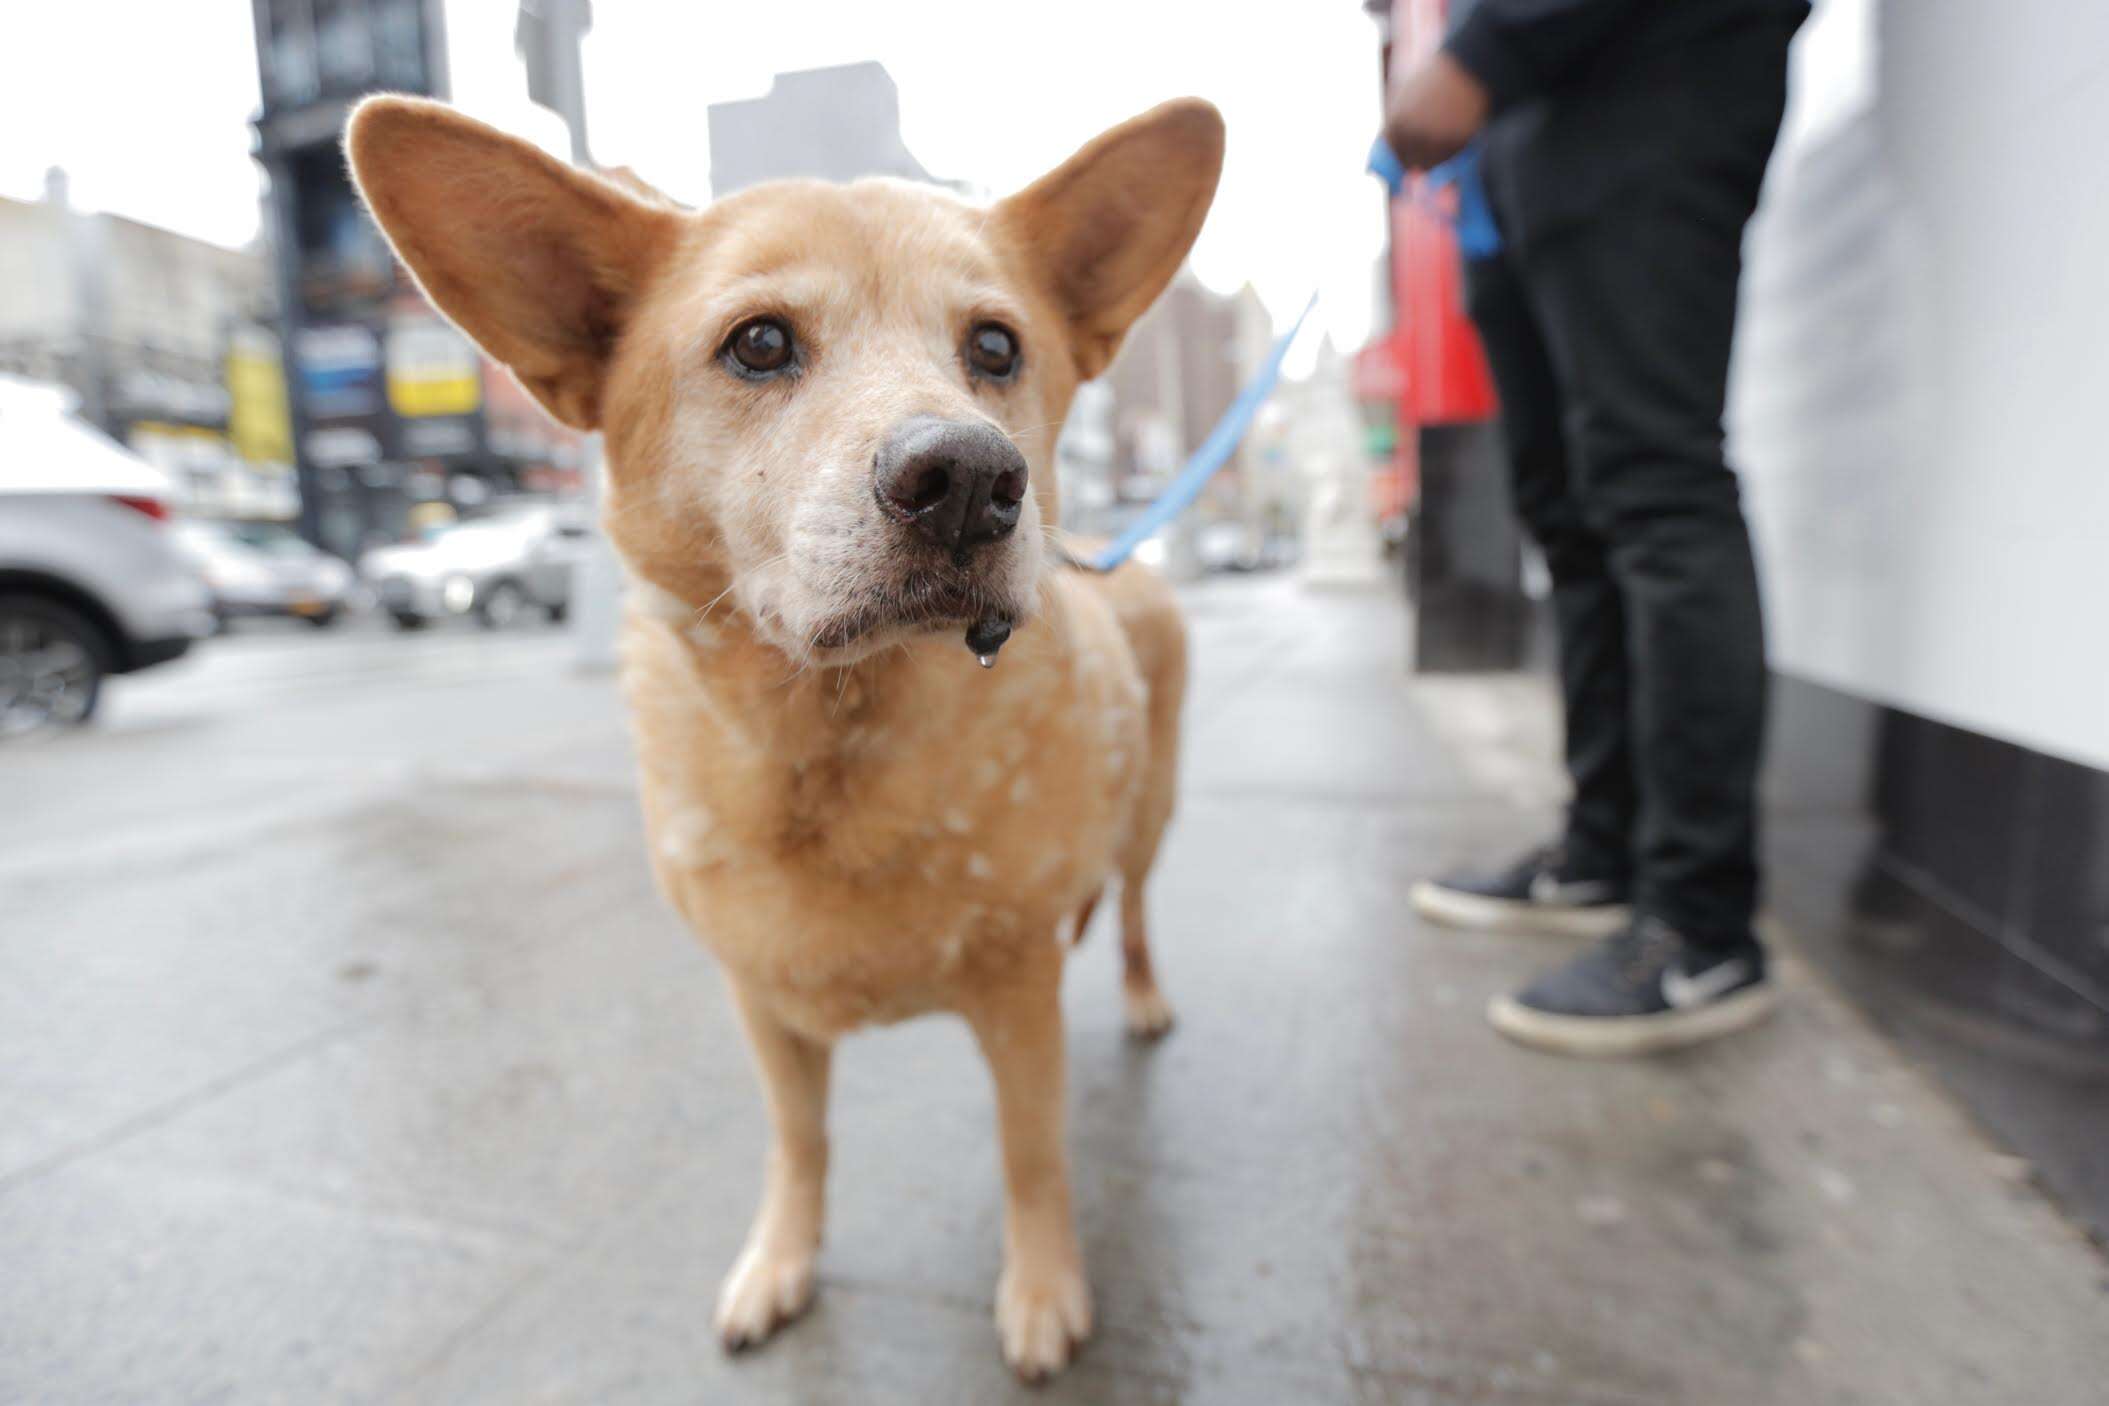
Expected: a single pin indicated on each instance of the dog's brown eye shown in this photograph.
(993, 351)
(761, 346)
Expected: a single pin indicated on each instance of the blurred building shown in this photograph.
(1084, 458)
(391, 407)
(830, 124)
(1177, 372)
(1179, 369)
(1309, 456)
(165, 340)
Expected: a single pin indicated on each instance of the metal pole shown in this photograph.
(554, 30)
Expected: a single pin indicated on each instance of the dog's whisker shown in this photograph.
(1017, 436)
(703, 615)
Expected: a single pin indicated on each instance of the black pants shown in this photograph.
(1609, 342)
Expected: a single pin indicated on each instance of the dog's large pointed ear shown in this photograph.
(537, 261)
(1107, 229)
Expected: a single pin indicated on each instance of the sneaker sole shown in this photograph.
(1620, 1037)
(1476, 913)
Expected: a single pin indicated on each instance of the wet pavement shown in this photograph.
(346, 1054)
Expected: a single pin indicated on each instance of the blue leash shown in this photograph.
(1209, 459)
(1478, 234)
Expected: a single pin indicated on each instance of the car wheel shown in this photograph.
(405, 620)
(559, 612)
(52, 663)
(321, 620)
(501, 606)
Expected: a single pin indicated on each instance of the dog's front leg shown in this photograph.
(1043, 1304)
(772, 1281)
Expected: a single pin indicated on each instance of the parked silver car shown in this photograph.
(264, 569)
(519, 557)
(91, 581)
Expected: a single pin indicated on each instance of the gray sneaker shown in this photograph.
(1640, 991)
(1536, 894)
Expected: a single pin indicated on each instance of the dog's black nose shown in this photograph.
(960, 483)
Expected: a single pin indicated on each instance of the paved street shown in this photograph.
(346, 1054)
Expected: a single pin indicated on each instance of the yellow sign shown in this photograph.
(432, 369)
(257, 418)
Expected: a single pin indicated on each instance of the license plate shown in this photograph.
(306, 605)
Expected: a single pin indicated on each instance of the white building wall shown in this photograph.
(179, 294)
(1920, 402)
(36, 278)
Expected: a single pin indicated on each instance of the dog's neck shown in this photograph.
(777, 748)
(763, 698)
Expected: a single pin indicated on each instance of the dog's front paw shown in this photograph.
(1149, 1014)
(1041, 1314)
(765, 1290)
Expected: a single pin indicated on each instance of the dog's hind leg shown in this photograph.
(1149, 1015)
(1161, 650)
(772, 1281)
(1083, 918)
(1043, 1304)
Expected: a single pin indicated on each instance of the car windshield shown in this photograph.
(513, 524)
(266, 537)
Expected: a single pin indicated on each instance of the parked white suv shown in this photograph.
(91, 580)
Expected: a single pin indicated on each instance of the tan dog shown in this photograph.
(830, 415)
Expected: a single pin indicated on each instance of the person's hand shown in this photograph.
(1434, 111)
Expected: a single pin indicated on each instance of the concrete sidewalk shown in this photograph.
(346, 1054)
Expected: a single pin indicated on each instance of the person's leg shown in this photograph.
(1639, 310)
(1579, 885)
(1588, 615)
(1637, 303)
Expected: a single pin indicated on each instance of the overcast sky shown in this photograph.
(146, 102)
